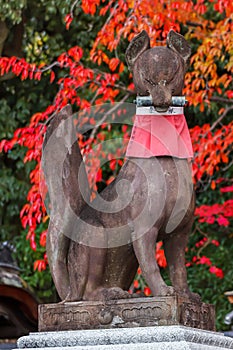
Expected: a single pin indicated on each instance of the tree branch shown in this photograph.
(73, 6)
(111, 110)
(194, 24)
(227, 110)
(228, 166)
(4, 31)
(221, 99)
(119, 86)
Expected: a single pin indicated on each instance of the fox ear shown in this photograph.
(138, 45)
(177, 43)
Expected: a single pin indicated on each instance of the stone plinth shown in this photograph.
(141, 338)
(135, 312)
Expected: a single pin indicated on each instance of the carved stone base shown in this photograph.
(125, 313)
(143, 338)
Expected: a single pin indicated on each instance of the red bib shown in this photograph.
(155, 134)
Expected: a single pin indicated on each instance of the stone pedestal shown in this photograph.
(134, 324)
(126, 313)
(141, 338)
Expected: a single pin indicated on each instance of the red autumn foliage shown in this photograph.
(160, 256)
(216, 271)
(147, 291)
(217, 213)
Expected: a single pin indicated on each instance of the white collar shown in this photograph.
(151, 111)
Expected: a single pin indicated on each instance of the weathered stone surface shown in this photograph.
(164, 337)
(151, 199)
(143, 346)
(124, 313)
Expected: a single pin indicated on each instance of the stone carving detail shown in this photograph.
(67, 317)
(105, 316)
(126, 313)
(145, 313)
(196, 316)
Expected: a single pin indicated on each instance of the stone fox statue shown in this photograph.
(160, 186)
